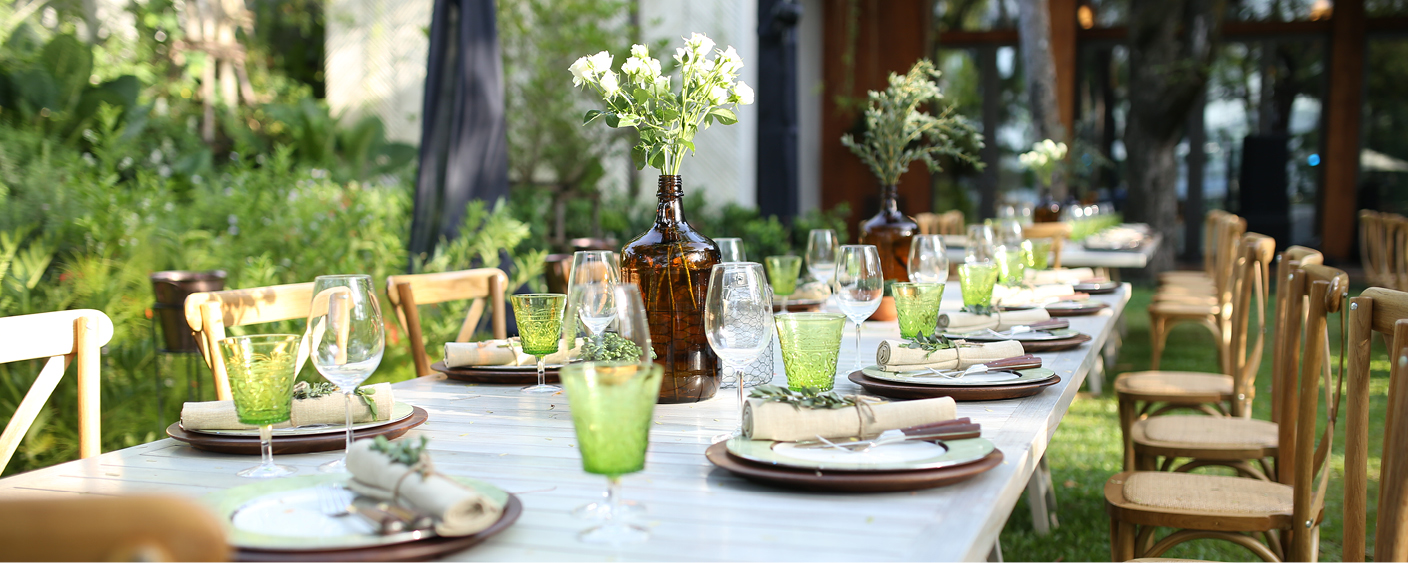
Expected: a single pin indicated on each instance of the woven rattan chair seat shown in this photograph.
(1174, 383)
(1195, 309)
(1206, 432)
(1207, 493)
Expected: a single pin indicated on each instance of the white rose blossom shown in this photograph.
(743, 93)
(610, 85)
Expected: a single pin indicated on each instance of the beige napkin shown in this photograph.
(893, 356)
(770, 420)
(499, 353)
(328, 409)
(1039, 295)
(458, 509)
(1001, 320)
(1062, 276)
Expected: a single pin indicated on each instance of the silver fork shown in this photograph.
(956, 374)
(334, 500)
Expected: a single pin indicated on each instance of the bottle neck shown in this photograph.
(670, 195)
(889, 199)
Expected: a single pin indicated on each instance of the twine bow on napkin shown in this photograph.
(458, 510)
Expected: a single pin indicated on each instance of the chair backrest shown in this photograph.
(1386, 312)
(483, 285)
(951, 223)
(1250, 289)
(61, 337)
(1058, 233)
(928, 223)
(1316, 293)
(1398, 253)
(1227, 253)
(209, 314)
(1283, 347)
(122, 528)
(1373, 246)
(1212, 234)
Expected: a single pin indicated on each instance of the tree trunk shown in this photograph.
(1034, 21)
(1171, 46)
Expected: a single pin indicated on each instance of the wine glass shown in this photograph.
(1009, 231)
(261, 370)
(612, 405)
(594, 265)
(1011, 264)
(980, 242)
(821, 254)
(976, 279)
(347, 338)
(539, 317)
(928, 262)
(594, 275)
(731, 249)
(738, 320)
(859, 285)
(782, 274)
(630, 321)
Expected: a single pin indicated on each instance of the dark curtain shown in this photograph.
(464, 148)
(777, 107)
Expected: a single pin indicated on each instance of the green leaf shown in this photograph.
(725, 116)
(70, 63)
(658, 159)
(638, 157)
(640, 95)
(667, 113)
(613, 120)
(591, 116)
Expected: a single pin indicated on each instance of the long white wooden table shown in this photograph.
(1075, 255)
(526, 445)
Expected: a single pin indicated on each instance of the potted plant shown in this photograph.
(898, 132)
(671, 261)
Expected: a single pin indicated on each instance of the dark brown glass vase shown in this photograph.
(891, 232)
(671, 264)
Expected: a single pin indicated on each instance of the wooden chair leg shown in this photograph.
(1127, 416)
(1158, 326)
(1121, 540)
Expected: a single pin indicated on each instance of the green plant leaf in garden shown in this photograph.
(591, 116)
(70, 63)
(724, 115)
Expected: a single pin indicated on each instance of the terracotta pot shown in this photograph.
(171, 289)
(887, 311)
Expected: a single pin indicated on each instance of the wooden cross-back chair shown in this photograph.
(60, 338)
(1212, 311)
(928, 223)
(1144, 395)
(1398, 258)
(1059, 233)
(209, 314)
(121, 528)
(1374, 251)
(1274, 520)
(483, 285)
(1385, 312)
(1213, 227)
(1220, 252)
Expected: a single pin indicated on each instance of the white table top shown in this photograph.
(1075, 255)
(526, 445)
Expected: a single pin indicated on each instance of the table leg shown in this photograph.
(995, 556)
(1041, 497)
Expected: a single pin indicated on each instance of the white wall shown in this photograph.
(809, 105)
(376, 56)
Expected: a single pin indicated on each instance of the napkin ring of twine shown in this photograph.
(865, 410)
(426, 469)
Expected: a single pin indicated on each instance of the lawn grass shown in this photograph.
(1086, 450)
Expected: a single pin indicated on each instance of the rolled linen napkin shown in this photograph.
(771, 420)
(1001, 320)
(328, 409)
(1062, 276)
(501, 353)
(1038, 295)
(458, 509)
(893, 356)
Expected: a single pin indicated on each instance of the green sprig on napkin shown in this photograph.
(407, 451)
(930, 343)
(806, 398)
(304, 390)
(611, 347)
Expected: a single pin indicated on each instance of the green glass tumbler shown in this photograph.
(782, 275)
(976, 280)
(1038, 253)
(811, 345)
(1011, 265)
(612, 405)
(261, 371)
(539, 317)
(918, 307)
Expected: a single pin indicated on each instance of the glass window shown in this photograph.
(975, 15)
(1383, 162)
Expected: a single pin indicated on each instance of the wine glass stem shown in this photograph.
(784, 303)
(613, 497)
(266, 445)
(347, 408)
(858, 366)
(542, 371)
(738, 376)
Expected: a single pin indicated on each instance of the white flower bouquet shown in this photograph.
(640, 96)
(1043, 159)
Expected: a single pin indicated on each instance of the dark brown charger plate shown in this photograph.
(495, 376)
(420, 550)
(1101, 288)
(1029, 346)
(1090, 308)
(849, 481)
(249, 445)
(894, 390)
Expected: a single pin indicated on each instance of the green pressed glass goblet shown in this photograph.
(612, 405)
(811, 345)
(1039, 253)
(782, 275)
(976, 280)
(539, 317)
(918, 307)
(1011, 265)
(261, 370)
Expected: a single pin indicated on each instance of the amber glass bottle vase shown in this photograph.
(671, 264)
(891, 232)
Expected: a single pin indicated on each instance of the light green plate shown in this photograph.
(904, 456)
(989, 379)
(1034, 336)
(399, 411)
(285, 514)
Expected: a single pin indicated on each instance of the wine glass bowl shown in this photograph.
(731, 249)
(981, 239)
(1011, 264)
(782, 275)
(928, 262)
(539, 317)
(738, 318)
(261, 370)
(821, 254)
(347, 338)
(860, 285)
